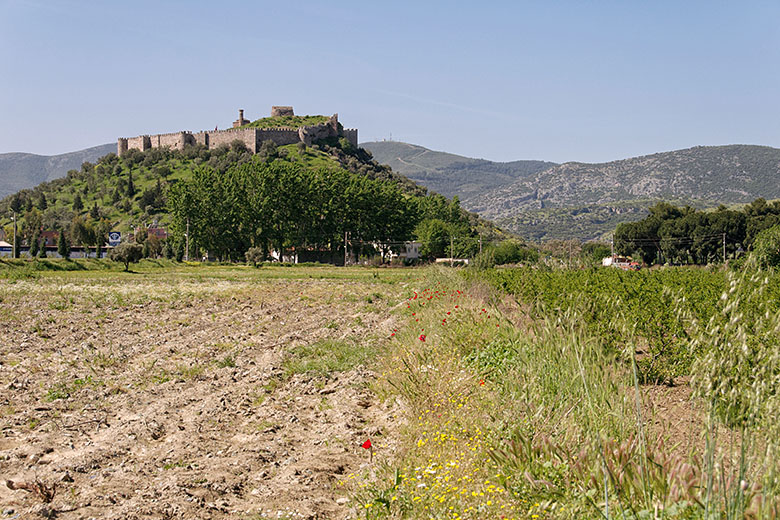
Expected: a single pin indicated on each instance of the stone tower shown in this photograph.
(240, 121)
(282, 111)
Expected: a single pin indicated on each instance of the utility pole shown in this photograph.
(724, 248)
(480, 244)
(187, 237)
(612, 240)
(13, 253)
(452, 252)
(345, 248)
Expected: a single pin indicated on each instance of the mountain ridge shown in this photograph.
(535, 199)
(450, 174)
(21, 170)
(586, 200)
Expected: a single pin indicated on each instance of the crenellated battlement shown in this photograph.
(252, 137)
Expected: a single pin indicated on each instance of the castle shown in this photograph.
(252, 137)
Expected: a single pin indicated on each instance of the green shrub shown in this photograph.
(766, 247)
(126, 253)
(255, 256)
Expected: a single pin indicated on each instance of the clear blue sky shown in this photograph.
(560, 81)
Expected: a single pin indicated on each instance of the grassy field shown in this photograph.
(225, 391)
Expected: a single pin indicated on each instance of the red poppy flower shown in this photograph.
(367, 444)
(481, 382)
(422, 338)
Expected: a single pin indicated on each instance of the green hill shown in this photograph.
(287, 121)
(25, 170)
(285, 197)
(451, 174)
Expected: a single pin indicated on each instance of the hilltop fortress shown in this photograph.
(252, 137)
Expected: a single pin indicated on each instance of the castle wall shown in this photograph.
(201, 138)
(352, 136)
(280, 136)
(174, 141)
(245, 135)
(142, 142)
(251, 137)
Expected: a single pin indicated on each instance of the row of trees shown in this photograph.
(281, 206)
(684, 235)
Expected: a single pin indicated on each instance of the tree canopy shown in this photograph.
(672, 234)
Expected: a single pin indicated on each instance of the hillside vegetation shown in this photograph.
(541, 200)
(537, 200)
(450, 174)
(704, 176)
(284, 197)
(284, 121)
(25, 170)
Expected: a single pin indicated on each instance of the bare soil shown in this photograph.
(135, 396)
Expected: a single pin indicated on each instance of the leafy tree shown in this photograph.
(78, 205)
(33, 222)
(82, 232)
(153, 247)
(126, 253)
(34, 244)
(95, 211)
(595, 251)
(42, 249)
(179, 251)
(17, 203)
(168, 250)
(514, 251)
(255, 255)
(63, 247)
(130, 185)
(152, 199)
(766, 247)
(162, 171)
(685, 235)
(434, 237)
(268, 150)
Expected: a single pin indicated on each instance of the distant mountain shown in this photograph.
(25, 170)
(714, 174)
(451, 174)
(535, 199)
(540, 200)
(589, 199)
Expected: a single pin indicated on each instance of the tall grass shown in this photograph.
(737, 375)
(553, 413)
